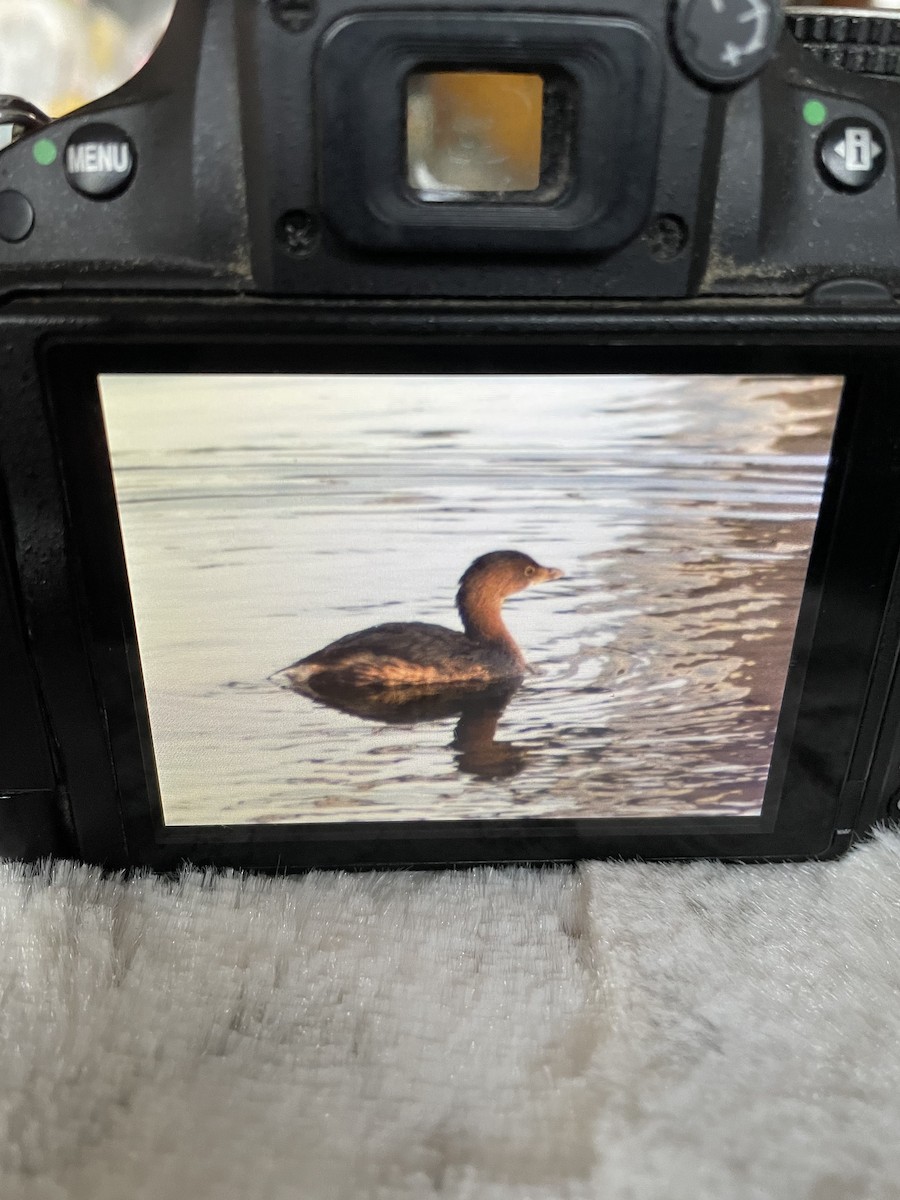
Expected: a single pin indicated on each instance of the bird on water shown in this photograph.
(403, 654)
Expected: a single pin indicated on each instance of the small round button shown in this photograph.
(851, 154)
(16, 217)
(99, 161)
(725, 42)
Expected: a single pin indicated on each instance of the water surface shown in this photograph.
(265, 516)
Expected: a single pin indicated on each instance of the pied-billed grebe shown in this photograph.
(410, 653)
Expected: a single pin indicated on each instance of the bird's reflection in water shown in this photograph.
(476, 750)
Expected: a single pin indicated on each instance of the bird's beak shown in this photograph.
(552, 573)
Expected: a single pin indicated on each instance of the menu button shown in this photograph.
(99, 161)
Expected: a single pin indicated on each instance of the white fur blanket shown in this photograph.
(616, 1031)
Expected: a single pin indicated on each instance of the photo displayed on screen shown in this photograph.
(373, 598)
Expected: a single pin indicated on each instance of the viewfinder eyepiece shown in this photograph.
(473, 132)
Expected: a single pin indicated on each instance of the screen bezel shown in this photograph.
(848, 582)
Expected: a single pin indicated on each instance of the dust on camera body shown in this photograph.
(678, 199)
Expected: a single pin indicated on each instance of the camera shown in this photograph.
(580, 319)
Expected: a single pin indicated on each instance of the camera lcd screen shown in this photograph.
(666, 522)
(473, 132)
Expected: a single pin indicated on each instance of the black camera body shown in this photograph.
(676, 189)
(262, 153)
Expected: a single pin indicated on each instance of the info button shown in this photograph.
(99, 161)
(851, 154)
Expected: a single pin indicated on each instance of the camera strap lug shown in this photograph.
(22, 115)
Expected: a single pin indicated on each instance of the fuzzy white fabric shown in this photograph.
(621, 1031)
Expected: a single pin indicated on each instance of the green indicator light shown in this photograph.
(814, 112)
(44, 152)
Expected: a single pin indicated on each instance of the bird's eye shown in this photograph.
(529, 571)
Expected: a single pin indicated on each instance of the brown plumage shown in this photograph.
(410, 653)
